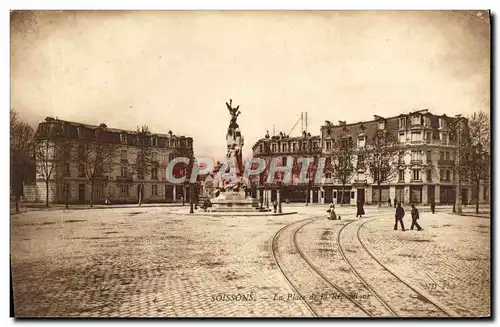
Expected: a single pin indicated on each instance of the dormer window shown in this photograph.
(415, 120)
(402, 122)
(154, 141)
(123, 138)
(361, 141)
(442, 122)
(381, 124)
(261, 147)
(273, 147)
(79, 131)
(283, 147)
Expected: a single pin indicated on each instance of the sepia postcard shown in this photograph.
(250, 164)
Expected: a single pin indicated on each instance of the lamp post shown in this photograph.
(191, 189)
(280, 187)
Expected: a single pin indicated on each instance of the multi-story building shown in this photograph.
(69, 181)
(425, 171)
(285, 147)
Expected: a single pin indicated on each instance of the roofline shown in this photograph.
(111, 129)
(385, 118)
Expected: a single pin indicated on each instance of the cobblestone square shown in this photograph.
(152, 262)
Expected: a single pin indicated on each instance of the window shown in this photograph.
(444, 139)
(442, 122)
(416, 137)
(429, 137)
(154, 156)
(429, 175)
(415, 120)
(261, 147)
(334, 194)
(381, 124)
(416, 156)
(154, 173)
(448, 175)
(427, 121)
(123, 155)
(99, 190)
(329, 145)
(154, 190)
(283, 147)
(402, 137)
(171, 156)
(401, 175)
(124, 190)
(94, 135)
(353, 195)
(123, 138)
(361, 141)
(273, 147)
(155, 141)
(283, 161)
(328, 175)
(416, 174)
(80, 131)
(441, 156)
(81, 170)
(315, 145)
(429, 157)
(124, 172)
(402, 122)
(67, 169)
(447, 156)
(294, 146)
(361, 160)
(81, 152)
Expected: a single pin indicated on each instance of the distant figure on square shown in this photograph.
(360, 210)
(332, 215)
(414, 218)
(400, 213)
(389, 202)
(433, 206)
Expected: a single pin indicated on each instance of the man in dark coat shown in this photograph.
(390, 202)
(395, 202)
(414, 218)
(360, 210)
(400, 213)
(433, 206)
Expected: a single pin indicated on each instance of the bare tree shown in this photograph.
(475, 158)
(21, 155)
(379, 156)
(143, 161)
(341, 161)
(51, 149)
(97, 157)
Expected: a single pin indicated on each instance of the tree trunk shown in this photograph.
(140, 195)
(92, 194)
(379, 195)
(477, 196)
(17, 202)
(342, 197)
(47, 193)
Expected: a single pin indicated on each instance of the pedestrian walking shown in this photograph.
(414, 218)
(390, 202)
(400, 213)
(433, 206)
(360, 210)
(395, 202)
(275, 206)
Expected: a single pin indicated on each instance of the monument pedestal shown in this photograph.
(230, 201)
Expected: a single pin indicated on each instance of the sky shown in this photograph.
(175, 70)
